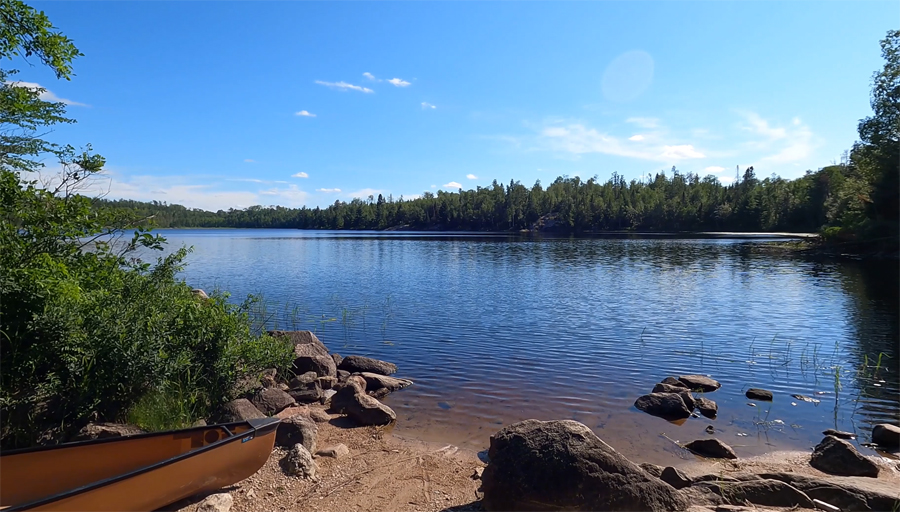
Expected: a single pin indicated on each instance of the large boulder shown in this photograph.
(106, 430)
(272, 400)
(886, 435)
(699, 383)
(355, 364)
(712, 448)
(322, 366)
(297, 429)
(374, 382)
(239, 410)
(838, 457)
(310, 354)
(563, 465)
(353, 401)
(306, 393)
(669, 406)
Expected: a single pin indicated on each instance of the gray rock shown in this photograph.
(699, 383)
(365, 410)
(839, 434)
(268, 381)
(323, 366)
(842, 493)
(668, 388)
(297, 429)
(675, 478)
(563, 465)
(219, 502)
(200, 294)
(838, 457)
(769, 493)
(378, 394)
(673, 381)
(374, 382)
(715, 478)
(342, 375)
(106, 430)
(305, 343)
(337, 359)
(319, 416)
(327, 395)
(303, 380)
(271, 401)
(239, 410)
(327, 382)
(689, 401)
(300, 462)
(712, 448)
(337, 451)
(307, 394)
(886, 435)
(366, 364)
(759, 394)
(199, 423)
(707, 407)
(669, 406)
(652, 469)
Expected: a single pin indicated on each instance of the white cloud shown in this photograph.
(471, 177)
(304, 113)
(412, 196)
(714, 169)
(397, 82)
(46, 95)
(370, 76)
(328, 190)
(636, 138)
(426, 105)
(344, 86)
(290, 196)
(644, 122)
(725, 180)
(300, 175)
(255, 180)
(365, 193)
(453, 185)
(172, 190)
(681, 152)
(434, 186)
(789, 144)
(761, 126)
(249, 160)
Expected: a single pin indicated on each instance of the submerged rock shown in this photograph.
(712, 448)
(707, 407)
(838, 457)
(669, 406)
(563, 465)
(699, 383)
(759, 394)
(839, 434)
(886, 435)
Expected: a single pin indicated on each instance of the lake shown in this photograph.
(494, 329)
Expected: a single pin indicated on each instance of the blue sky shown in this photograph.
(218, 105)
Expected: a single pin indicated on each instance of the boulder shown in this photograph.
(337, 451)
(669, 406)
(106, 430)
(342, 375)
(337, 359)
(668, 388)
(271, 401)
(378, 394)
(293, 411)
(652, 469)
(297, 429)
(689, 401)
(712, 448)
(219, 502)
(319, 416)
(305, 342)
(366, 364)
(239, 410)
(759, 394)
(375, 382)
(707, 407)
(303, 380)
(200, 294)
(838, 457)
(300, 463)
(327, 382)
(563, 465)
(307, 394)
(675, 478)
(365, 410)
(672, 381)
(699, 383)
(323, 366)
(769, 493)
(842, 493)
(839, 434)
(886, 435)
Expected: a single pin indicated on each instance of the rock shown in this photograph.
(219, 502)
(327, 382)
(106, 430)
(327, 396)
(563, 465)
(710, 429)
(303, 380)
(301, 463)
(305, 343)
(367, 364)
(268, 382)
(688, 399)
(668, 388)
(672, 381)
(375, 382)
(707, 407)
(379, 394)
(319, 416)
(357, 381)
(770, 493)
(337, 451)
(337, 359)
(366, 410)
(323, 366)
(886, 435)
(759, 394)
(652, 469)
(675, 478)
(271, 401)
(839, 434)
(477, 474)
(239, 410)
(842, 494)
(297, 429)
(307, 394)
(199, 423)
(715, 478)
(699, 383)
(200, 294)
(712, 448)
(342, 375)
(293, 411)
(670, 406)
(838, 457)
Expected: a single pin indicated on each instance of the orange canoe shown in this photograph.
(140, 472)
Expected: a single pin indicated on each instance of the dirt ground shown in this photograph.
(385, 473)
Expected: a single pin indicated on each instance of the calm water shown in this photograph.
(497, 329)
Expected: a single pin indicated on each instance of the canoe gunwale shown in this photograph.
(258, 427)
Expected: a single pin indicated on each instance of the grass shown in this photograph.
(167, 409)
